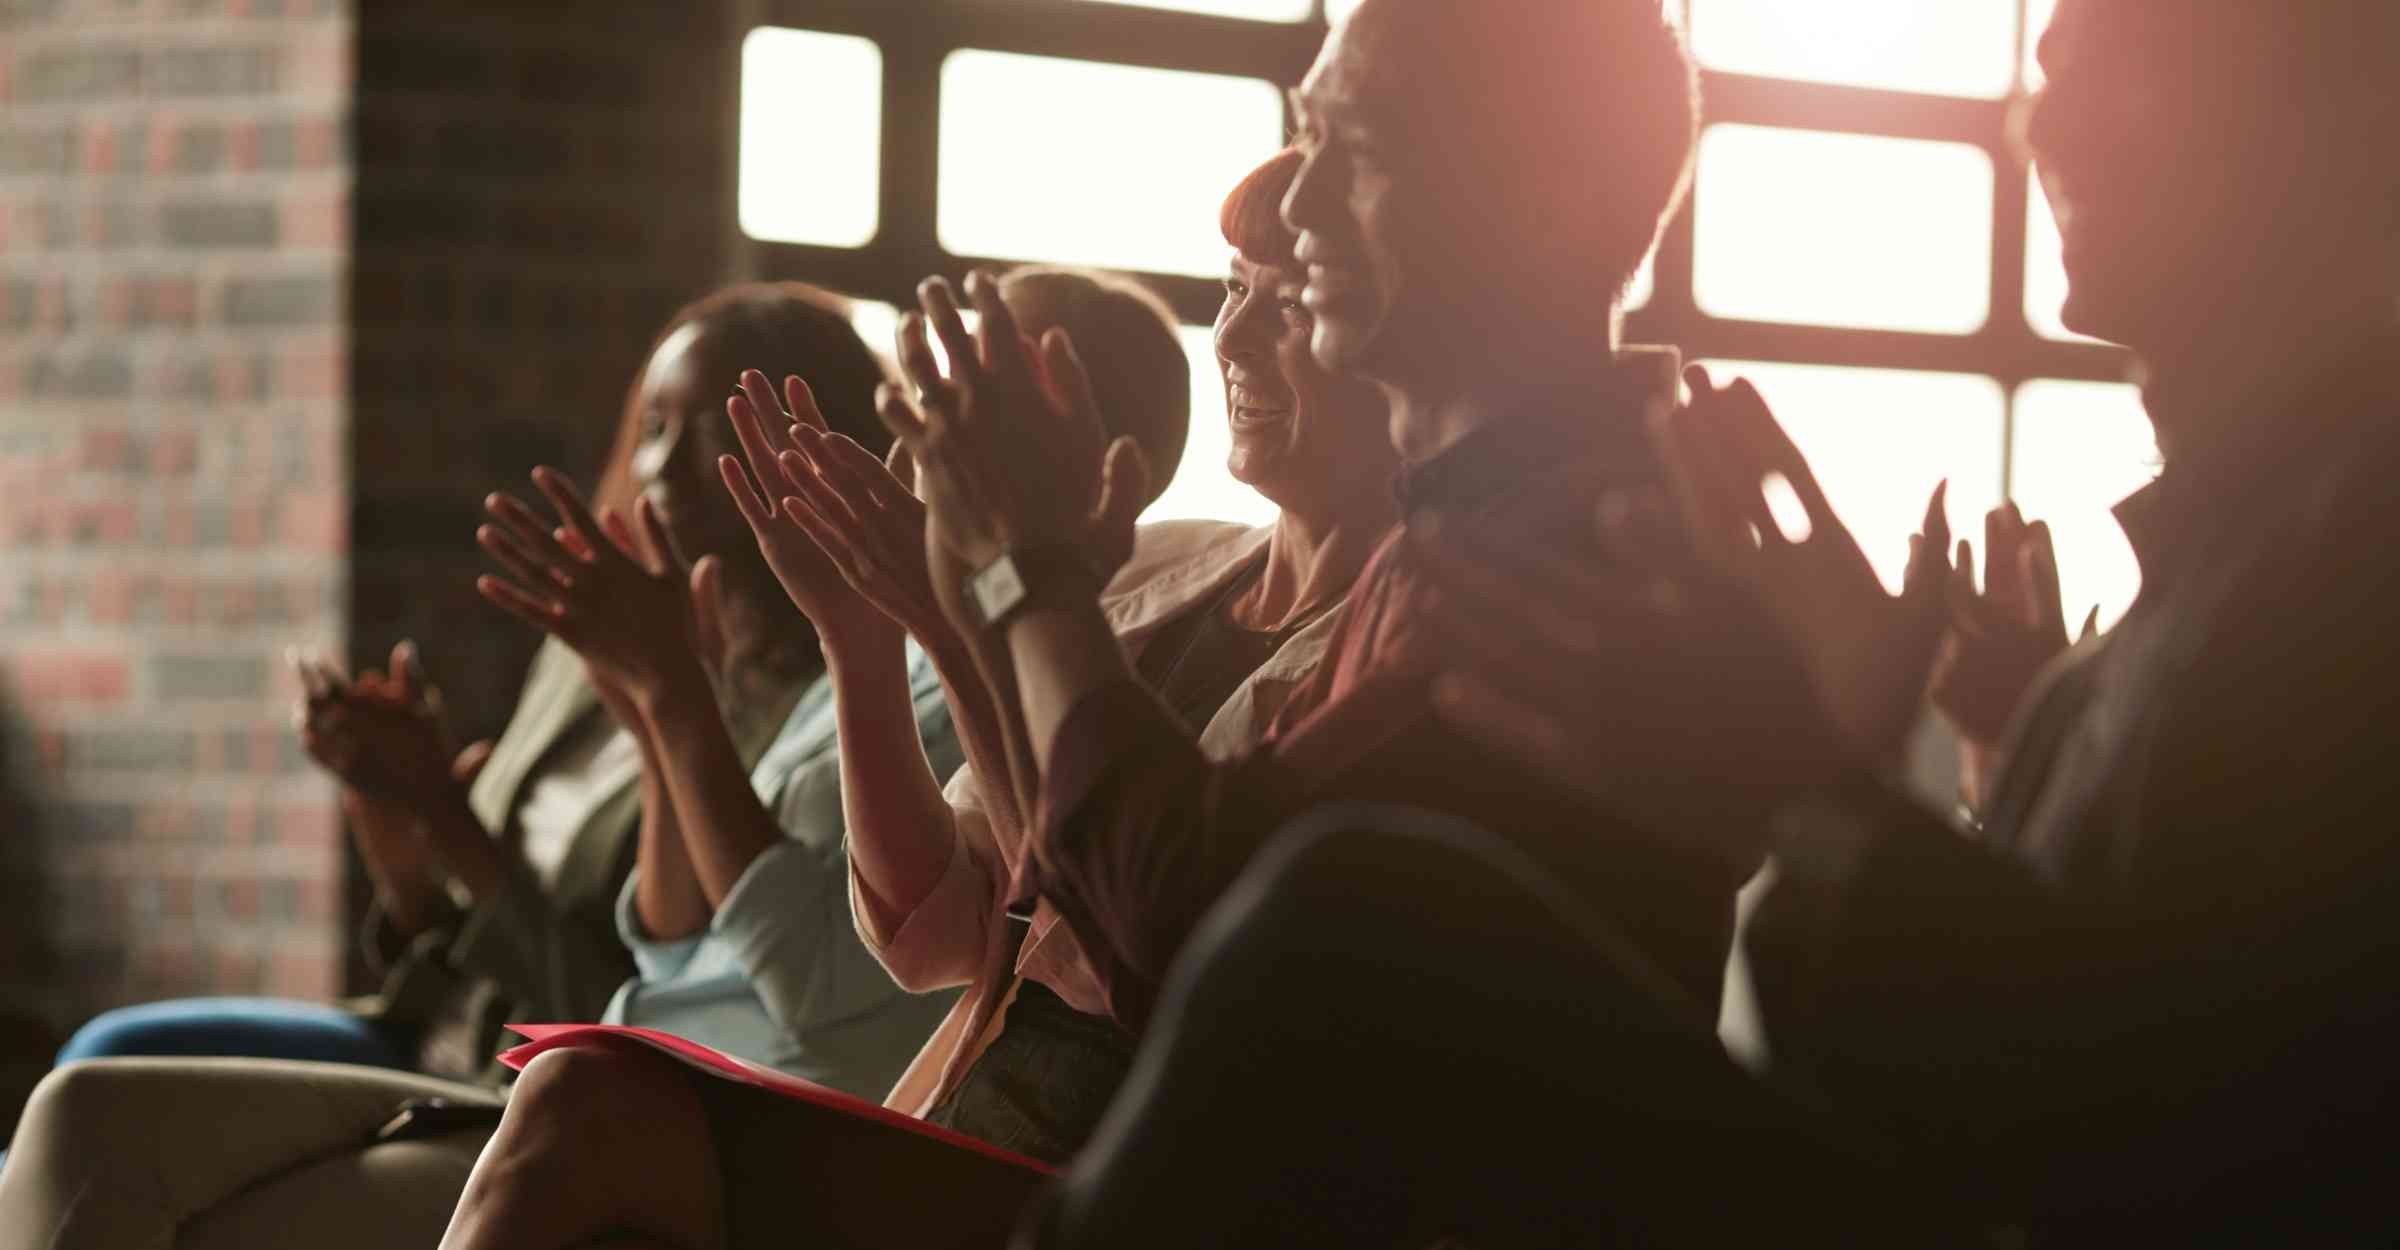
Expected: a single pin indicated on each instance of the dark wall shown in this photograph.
(539, 188)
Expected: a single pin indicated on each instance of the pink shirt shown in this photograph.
(958, 934)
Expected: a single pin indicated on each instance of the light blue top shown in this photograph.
(780, 976)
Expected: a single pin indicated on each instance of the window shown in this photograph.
(1879, 441)
(2080, 448)
(812, 137)
(1091, 164)
(1939, 47)
(1852, 228)
(1811, 228)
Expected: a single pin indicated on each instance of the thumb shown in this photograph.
(902, 465)
(471, 761)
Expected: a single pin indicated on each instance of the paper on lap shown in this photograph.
(543, 1037)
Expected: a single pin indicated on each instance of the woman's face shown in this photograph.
(682, 411)
(1310, 440)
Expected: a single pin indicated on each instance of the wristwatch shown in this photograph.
(1000, 589)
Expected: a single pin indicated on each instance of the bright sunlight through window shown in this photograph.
(1937, 47)
(811, 137)
(1091, 164)
(2081, 448)
(1825, 229)
(1880, 439)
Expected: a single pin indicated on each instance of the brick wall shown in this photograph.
(285, 287)
(174, 207)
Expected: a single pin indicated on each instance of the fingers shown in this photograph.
(408, 674)
(908, 423)
(2091, 625)
(821, 495)
(902, 466)
(801, 403)
(560, 491)
(658, 554)
(917, 361)
(470, 761)
(940, 305)
(750, 431)
(532, 537)
(543, 614)
(1927, 548)
(502, 545)
(746, 499)
(1748, 417)
(2039, 567)
(1003, 344)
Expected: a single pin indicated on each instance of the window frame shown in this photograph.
(917, 36)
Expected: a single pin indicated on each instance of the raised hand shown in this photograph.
(1868, 653)
(609, 589)
(1009, 447)
(381, 735)
(770, 499)
(2000, 637)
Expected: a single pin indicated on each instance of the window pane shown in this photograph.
(1260, 10)
(1878, 441)
(1091, 164)
(1202, 487)
(1940, 47)
(2081, 447)
(1843, 230)
(812, 137)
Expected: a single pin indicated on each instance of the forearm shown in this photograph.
(667, 894)
(986, 726)
(901, 831)
(1060, 653)
(722, 824)
(403, 882)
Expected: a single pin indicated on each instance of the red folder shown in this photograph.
(542, 1037)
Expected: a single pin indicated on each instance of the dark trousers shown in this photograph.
(1395, 1030)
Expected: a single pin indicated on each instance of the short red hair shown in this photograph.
(1252, 218)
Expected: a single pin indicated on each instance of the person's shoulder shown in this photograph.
(1164, 547)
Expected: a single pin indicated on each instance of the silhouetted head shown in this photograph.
(1125, 336)
(1314, 442)
(1482, 180)
(675, 427)
(2235, 160)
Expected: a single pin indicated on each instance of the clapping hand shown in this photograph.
(2000, 637)
(1009, 447)
(381, 735)
(1867, 652)
(613, 591)
(787, 528)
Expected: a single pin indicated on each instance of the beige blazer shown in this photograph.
(530, 951)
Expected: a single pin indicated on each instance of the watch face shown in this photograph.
(998, 588)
